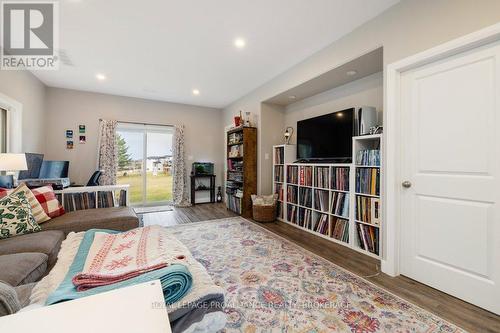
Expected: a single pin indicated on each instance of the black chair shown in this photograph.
(94, 180)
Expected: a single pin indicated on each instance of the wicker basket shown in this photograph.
(264, 213)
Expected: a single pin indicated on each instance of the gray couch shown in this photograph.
(27, 258)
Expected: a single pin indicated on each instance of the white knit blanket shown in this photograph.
(202, 283)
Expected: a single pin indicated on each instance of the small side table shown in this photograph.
(194, 189)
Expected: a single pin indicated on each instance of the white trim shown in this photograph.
(14, 123)
(392, 133)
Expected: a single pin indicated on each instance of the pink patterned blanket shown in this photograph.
(116, 257)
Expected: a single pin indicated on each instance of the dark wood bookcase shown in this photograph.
(241, 174)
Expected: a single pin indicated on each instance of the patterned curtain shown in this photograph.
(180, 188)
(108, 152)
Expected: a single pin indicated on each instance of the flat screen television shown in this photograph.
(326, 138)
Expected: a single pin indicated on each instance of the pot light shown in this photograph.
(239, 43)
(292, 97)
(351, 73)
(100, 77)
(196, 92)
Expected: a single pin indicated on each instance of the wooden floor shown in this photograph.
(463, 314)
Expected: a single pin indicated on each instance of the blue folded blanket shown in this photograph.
(175, 279)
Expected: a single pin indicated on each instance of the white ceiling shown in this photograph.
(163, 49)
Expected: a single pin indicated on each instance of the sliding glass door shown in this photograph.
(145, 162)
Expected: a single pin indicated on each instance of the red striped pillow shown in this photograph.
(47, 198)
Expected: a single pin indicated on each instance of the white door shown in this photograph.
(450, 134)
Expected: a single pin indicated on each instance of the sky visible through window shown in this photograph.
(159, 144)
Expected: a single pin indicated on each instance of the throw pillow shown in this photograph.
(36, 209)
(5, 192)
(15, 216)
(47, 198)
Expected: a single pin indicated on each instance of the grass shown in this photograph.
(159, 188)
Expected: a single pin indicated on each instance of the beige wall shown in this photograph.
(67, 109)
(26, 89)
(405, 29)
(272, 120)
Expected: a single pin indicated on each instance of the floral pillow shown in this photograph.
(16, 217)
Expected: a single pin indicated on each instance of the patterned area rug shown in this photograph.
(273, 285)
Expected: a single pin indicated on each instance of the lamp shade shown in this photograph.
(13, 162)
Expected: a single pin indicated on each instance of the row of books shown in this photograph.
(368, 181)
(340, 179)
(368, 238)
(340, 204)
(235, 176)
(321, 200)
(292, 174)
(321, 177)
(305, 197)
(291, 194)
(321, 224)
(305, 177)
(90, 200)
(235, 151)
(304, 218)
(279, 173)
(368, 157)
(279, 155)
(234, 203)
(233, 165)
(234, 138)
(291, 213)
(278, 189)
(279, 210)
(339, 229)
(368, 210)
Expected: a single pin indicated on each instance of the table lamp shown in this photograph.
(11, 162)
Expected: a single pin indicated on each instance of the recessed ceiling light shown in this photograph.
(351, 73)
(101, 77)
(240, 43)
(196, 92)
(292, 97)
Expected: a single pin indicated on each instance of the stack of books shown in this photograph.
(369, 157)
(339, 229)
(340, 179)
(305, 197)
(278, 173)
(235, 138)
(292, 174)
(91, 200)
(321, 225)
(291, 213)
(306, 176)
(291, 194)
(368, 210)
(321, 200)
(234, 165)
(234, 203)
(321, 177)
(368, 238)
(278, 189)
(340, 204)
(305, 217)
(279, 154)
(368, 181)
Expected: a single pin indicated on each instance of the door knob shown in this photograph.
(406, 184)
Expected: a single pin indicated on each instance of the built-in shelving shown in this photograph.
(326, 199)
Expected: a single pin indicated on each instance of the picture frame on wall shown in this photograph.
(83, 139)
(69, 134)
(69, 144)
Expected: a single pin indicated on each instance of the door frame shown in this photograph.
(392, 132)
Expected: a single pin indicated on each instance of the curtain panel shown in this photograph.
(108, 152)
(180, 187)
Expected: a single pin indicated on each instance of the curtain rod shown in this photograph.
(139, 123)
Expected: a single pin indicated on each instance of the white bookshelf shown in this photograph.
(354, 242)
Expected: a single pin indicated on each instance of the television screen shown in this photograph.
(326, 137)
(54, 169)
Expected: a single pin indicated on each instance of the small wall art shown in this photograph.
(69, 134)
(81, 129)
(83, 139)
(69, 144)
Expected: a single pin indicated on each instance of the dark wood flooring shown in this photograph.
(463, 314)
